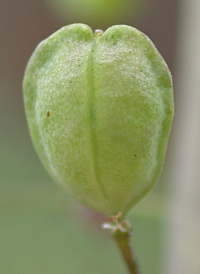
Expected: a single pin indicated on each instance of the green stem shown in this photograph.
(120, 231)
(123, 240)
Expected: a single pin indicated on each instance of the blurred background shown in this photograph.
(42, 230)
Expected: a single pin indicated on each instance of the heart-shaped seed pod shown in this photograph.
(99, 108)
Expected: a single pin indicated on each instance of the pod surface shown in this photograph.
(99, 109)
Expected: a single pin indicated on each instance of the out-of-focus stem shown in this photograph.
(184, 241)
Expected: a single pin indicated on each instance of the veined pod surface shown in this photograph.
(99, 108)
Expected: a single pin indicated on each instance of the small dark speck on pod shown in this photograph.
(48, 113)
(135, 155)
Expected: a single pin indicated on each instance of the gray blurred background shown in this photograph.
(41, 229)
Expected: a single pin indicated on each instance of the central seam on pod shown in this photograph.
(92, 119)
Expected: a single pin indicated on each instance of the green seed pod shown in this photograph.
(99, 108)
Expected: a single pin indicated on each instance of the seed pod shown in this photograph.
(99, 108)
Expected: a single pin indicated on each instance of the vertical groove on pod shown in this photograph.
(91, 99)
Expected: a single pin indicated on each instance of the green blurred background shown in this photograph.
(42, 230)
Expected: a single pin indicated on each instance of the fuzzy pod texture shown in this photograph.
(100, 108)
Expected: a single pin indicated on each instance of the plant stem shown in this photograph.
(120, 231)
(123, 239)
